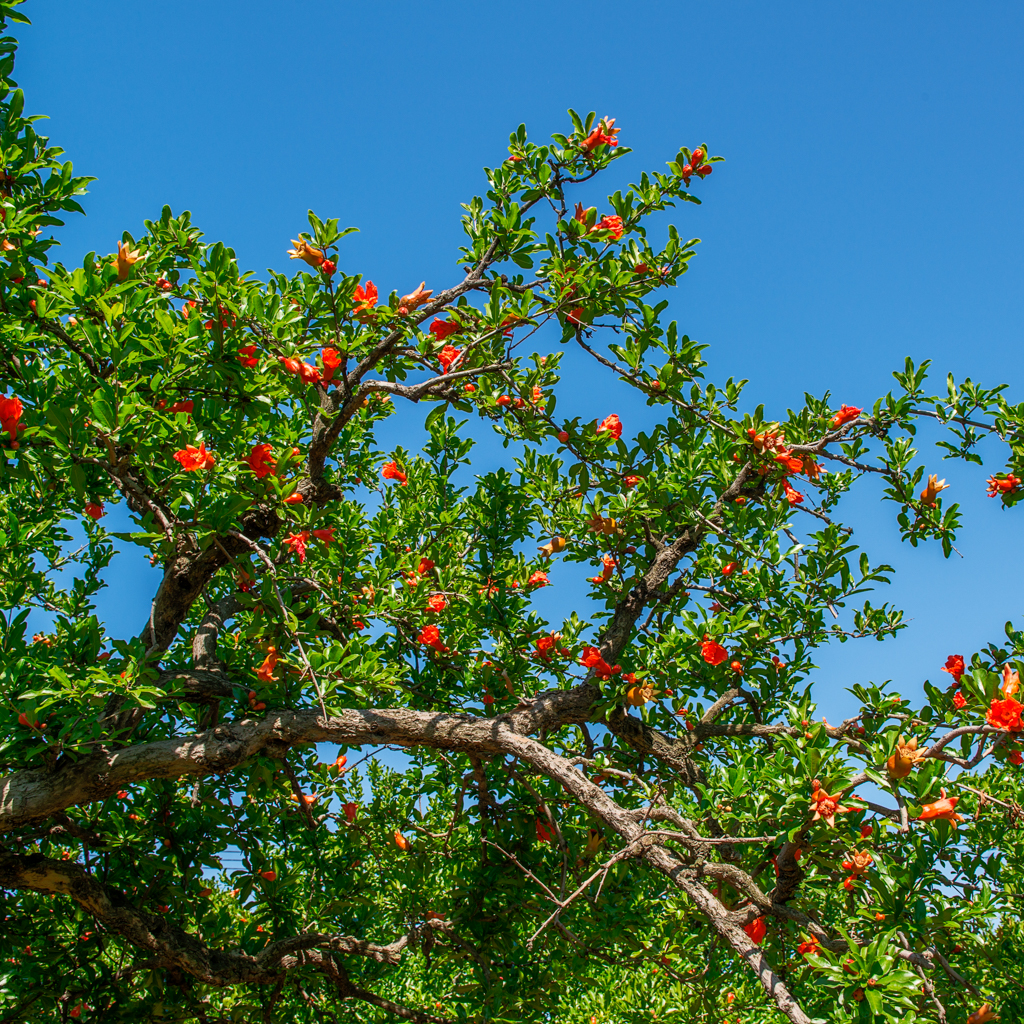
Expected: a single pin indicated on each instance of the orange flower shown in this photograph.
(790, 463)
(260, 461)
(400, 841)
(931, 492)
(430, 636)
(265, 673)
(631, 481)
(304, 251)
(94, 510)
(1002, 485)
(959, 700)
(846, 414)
(443, 329)
(193, 459)
(606, 572)
(365, 299)
(810, 947)
(604, 134)
(757, 929)
(611, 425)
(350, 811)
(982, 1015)
(770, 440)
(1011, 682)
(943, 808)
(124, 259)
(954, 666)
(436, 603)
(906, 755)
(11, 410)
(415, 298)
(548, 645)
(824, 806)
(712, 651)
(794, 497)
(448, 355)
(538, 579)
(612, 224)
(1005, 714)
(390, 471)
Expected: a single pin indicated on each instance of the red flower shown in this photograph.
(996, 485)
(442, 329)
(548, 645)
(350, 811)
(390, 471)
(187, 406)
(846, 414)
(1016, 759)
(728, 570)
(325, 536)
(245, 355)
(430, 636)
(612, 224)
(757, 929)
(425, 566)
(10, 417)
(810, 947)
(603, 134)
(297, 542)
(712, 651)
(575, 316)
(328, 267)
(612, 425)
(503, 400)
(959, 701)
(193, 459)
(94, 510)
(542, 833)
(792, 496)
(365, 299)
(536, 395)
(309, 374)
(538, 579)
(1005, 714)
(448, 355)
(436, 603)
(293, 499)
(631, 481)
(331, 360)
(260, 461)
(591, 658)
(954, 666)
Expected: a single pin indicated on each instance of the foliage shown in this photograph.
(601, 817)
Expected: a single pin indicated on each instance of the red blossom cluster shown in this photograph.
(430, 636)
(696, 166)
(591, 658)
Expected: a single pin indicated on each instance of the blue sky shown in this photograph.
(869, 208)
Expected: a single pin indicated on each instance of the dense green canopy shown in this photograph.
(631, 811)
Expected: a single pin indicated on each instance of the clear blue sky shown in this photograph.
(869, 208)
